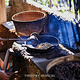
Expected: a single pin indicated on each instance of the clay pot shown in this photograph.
(28, 22)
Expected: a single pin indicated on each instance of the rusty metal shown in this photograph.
(28, 22)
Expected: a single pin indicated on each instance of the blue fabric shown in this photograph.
(66, 31)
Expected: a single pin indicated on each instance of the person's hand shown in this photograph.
(3, 75)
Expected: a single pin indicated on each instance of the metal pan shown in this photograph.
(42, 39)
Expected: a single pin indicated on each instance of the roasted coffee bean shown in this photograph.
(66, 71)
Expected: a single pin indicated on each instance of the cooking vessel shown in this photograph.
(42, 39)
(28, 22)
(60, 60)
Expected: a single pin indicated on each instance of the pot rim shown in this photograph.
(25, 12)
(60, 60)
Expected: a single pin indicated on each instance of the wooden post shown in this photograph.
(2, 19)
(50, 3)
(2, 12)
